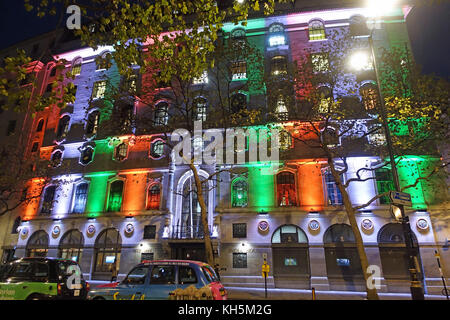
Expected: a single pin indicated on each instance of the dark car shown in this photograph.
(42, 279)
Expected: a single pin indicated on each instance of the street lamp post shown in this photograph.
(416, 285)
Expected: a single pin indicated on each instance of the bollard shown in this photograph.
(313, 291)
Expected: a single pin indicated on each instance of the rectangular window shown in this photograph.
(80, 198)
(239, 70)
(150, 232)
(277, 40)
(385, 183)
(240, 260)
(47, 203)
(202, 79)
(99, 90)
(149, 256)
(320, 62)
(334, 196)
(239, 230)
(11, 127)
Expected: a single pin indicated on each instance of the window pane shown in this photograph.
(163, 275)
(239, 260)
(137, 276)
(186, 275)
(80, 198)
(115, 196)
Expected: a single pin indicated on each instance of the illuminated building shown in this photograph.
(123, 198)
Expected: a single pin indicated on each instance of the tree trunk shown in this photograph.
(204, 216)
(371, 293)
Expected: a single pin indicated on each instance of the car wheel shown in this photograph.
(98, 298)
(34, 297)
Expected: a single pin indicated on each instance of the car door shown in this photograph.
(133, 287)
(187, 277)
(162, 281)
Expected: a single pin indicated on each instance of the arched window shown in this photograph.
(286, 191)
(199, 106)
(92, 122)
(316, 30)
(191, 224)
(71, 245)
(239, 193)
(63, 127)
(80, 197)
(157, 149)
(369, 95)
(154, 197)
(86, 155)
(115, 196)
(56, 158)
(107, 253)
(16, 225)
(289, 234)
(161, 113)
(40, 125)
(393, 253)
(37, 245)
(278, 65)
(76, 66)
(238, 34)
(47, 201)
(333, 195)
(238, 102)
(121, 152)
(276, 35)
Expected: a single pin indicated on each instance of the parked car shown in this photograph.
(42, 279)
(162, 279)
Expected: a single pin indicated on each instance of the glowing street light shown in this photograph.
(380, 7)
(360, 60)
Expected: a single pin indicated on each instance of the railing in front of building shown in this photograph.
(184, 232)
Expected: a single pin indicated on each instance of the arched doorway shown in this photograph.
(394, 257)
(107, 254)
(290, 254)
(37, 245)
(342, 259)
(71, 245)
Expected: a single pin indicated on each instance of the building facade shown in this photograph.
(122, 200)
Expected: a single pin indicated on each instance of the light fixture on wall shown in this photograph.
(396, 212)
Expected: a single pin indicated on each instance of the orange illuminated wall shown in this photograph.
(134, 192)
(35, 187)
(311, 185)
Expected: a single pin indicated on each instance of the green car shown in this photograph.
(42, 279)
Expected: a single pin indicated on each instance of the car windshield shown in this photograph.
(66, 268)
(210, 274)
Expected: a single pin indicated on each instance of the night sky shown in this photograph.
(429, 29)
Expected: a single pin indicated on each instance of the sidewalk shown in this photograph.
(242, 293)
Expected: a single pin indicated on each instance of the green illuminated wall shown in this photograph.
(261, 187)
(410, 169)
(97, 193)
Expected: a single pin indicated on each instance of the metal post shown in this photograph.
(313, 292)
(416, 285)
(442, 274)
(265, 285)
